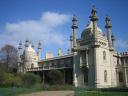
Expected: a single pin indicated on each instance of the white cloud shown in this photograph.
(44, 29)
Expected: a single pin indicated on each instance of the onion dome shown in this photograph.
(88, 31)
(30, 53)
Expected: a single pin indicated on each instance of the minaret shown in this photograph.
(113, 40)
(109, 34)
(19, 57)
(74, 30)
(20, 49)
(75, 53)
(71, 43)
(94, 20)
(39, 50)
(95, 52)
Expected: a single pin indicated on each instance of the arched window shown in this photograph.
(104, 55)
(105, 76)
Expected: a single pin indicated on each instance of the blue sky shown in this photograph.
(50, 21)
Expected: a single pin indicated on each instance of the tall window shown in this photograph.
(120, 77)
(104, 55)
(117, 61)
(105, 76)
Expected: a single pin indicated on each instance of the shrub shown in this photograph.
(55, 77)
(6, 79)
(17, 81)
(30, 79)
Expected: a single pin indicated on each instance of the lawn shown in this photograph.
(16, 91)
(99, 93)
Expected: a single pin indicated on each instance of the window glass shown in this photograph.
(104, 55)
(120, 77)
(105, 76)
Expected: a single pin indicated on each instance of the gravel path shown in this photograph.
(51, 93)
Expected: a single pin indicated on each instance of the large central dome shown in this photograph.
(88, 31)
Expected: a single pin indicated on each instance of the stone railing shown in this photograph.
(51, 67)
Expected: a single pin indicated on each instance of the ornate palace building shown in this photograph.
(93, 60)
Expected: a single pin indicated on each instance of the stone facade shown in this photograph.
(95, 62)
(28, 57)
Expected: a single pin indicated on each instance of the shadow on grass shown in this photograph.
(15, 91)
(101, 92)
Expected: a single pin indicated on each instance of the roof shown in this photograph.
(59, 57)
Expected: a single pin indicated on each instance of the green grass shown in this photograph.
(16, 91)
(99, 93)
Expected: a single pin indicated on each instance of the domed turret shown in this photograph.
(30, 56)
(88, 31)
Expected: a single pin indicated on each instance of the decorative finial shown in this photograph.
(93, 16)
(108, 24)
(74, 18)
(32, 45)
(20, 45)
(74, 21)
(39, 45)
(113, 37)
(68, 51)
(27, 43)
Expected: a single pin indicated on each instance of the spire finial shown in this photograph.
(20, 45)
(39, 45)
(108, 24)
(93, 16)
(113, 37)
(74, 21)
(32, 45)
(26, 43)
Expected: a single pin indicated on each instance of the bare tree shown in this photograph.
(8, 57)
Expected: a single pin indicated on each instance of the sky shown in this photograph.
(49, 21)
